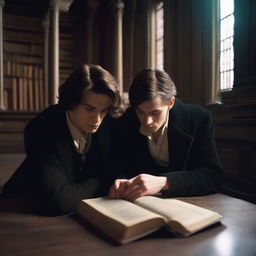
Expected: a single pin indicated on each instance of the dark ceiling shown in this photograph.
(26, 7)
(38, 8)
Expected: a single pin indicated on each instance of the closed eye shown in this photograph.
(155, 113)
(88, 107)
(104, 110)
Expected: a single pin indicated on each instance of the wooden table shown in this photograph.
(25, 233)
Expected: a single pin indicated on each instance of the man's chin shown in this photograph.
(92, 130)
(151, 129)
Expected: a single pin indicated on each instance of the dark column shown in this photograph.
(128, 42)
(46, 24)
(54, 51)
(91, 7)
(244, 43)
(117, 7)
(2, 107)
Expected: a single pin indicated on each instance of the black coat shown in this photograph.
(51, 170)
(194, 167)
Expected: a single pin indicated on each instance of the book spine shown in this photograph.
(23, 54)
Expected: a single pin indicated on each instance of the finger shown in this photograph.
(111, 192)
(113, 189)
(133, 184)
(122, 188)
(137, 192)
(134, 196)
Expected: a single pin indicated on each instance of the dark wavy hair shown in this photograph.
(91, 78)
(150, 83)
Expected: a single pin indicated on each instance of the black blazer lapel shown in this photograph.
(179, 148)
(179, 139)
(64, 144)
(64, 150)
(143, 154)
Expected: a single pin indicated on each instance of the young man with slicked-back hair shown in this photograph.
(167, 146)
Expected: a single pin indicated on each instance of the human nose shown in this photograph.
(148, 120)
(96, 117)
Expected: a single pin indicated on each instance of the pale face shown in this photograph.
(88, 115)
(153, 113)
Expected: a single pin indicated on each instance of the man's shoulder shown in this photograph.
(198, 110)
(186, 115)
(129, 118)
(51, 114)
(129, 114)
(50, 121)
(194, 110)
(46, 129)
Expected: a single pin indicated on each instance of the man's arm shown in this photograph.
(60, 193)
(202, 175)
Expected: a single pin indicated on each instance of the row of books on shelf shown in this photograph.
(25, 94)
(13, 68)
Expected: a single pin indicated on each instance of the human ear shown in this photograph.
(171, 102)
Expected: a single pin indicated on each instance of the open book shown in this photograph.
(126, 221)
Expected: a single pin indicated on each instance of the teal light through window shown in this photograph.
(226, 44)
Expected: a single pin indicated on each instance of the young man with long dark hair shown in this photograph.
(68, 144)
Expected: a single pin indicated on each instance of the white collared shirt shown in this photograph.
(159, 149)
(81, 140)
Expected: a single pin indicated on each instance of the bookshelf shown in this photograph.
(67, 45)
(26, 69)
(23, 61)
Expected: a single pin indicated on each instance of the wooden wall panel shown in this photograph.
(235, 131)
(12, 126)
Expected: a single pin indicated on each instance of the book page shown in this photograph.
(120, 219)
(190, 216)
(121, 210)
